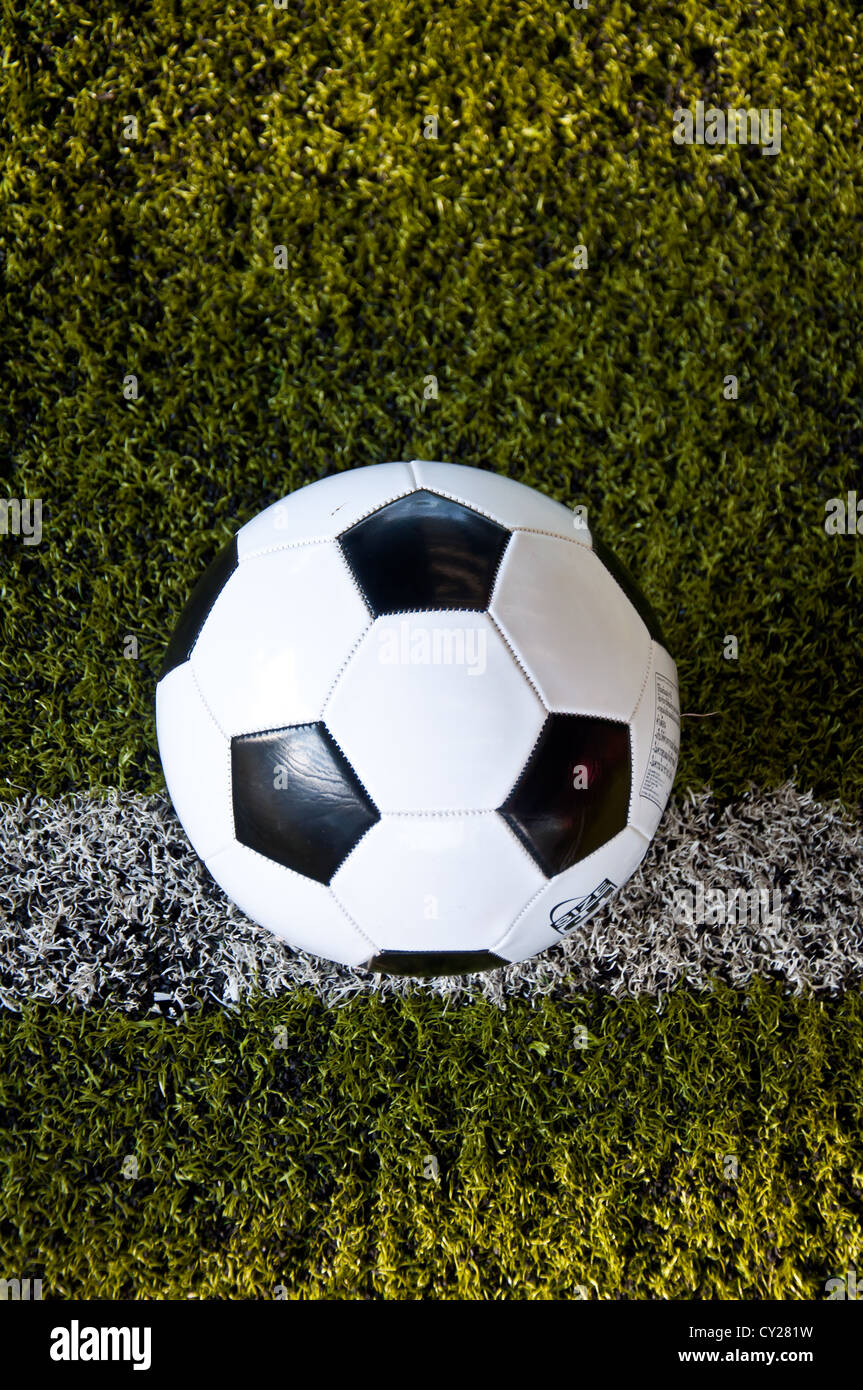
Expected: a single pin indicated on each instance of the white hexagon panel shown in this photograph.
(196, 756)
(655, 742)
(450, 879)
(277, 636)
(566, 902)
(582, 641)
(297, 909)
(415, 718)
(323, 510)
(453, 720)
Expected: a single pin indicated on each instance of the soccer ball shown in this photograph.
(415, 718)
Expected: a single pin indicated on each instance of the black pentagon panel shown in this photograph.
(618, 571)
(425, 552)
(197, 609)
(426, 964)
(573, 795)
(297, 799)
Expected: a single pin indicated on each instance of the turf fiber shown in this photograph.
(601, 1151)
(562, 1169)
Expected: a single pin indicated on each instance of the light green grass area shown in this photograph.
(581, 1151)
(561, 1168)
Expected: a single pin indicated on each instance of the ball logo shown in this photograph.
(566, 915)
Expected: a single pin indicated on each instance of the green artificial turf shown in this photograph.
(582, 1151)
(561, 1169)
(410, 256)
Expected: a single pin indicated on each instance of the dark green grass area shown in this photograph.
(409, 256)
(582, 1150)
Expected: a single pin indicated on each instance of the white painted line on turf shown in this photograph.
(102, 900)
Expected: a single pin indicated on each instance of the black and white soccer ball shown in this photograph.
(415, 718)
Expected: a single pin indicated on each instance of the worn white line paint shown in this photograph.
(102, 900)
